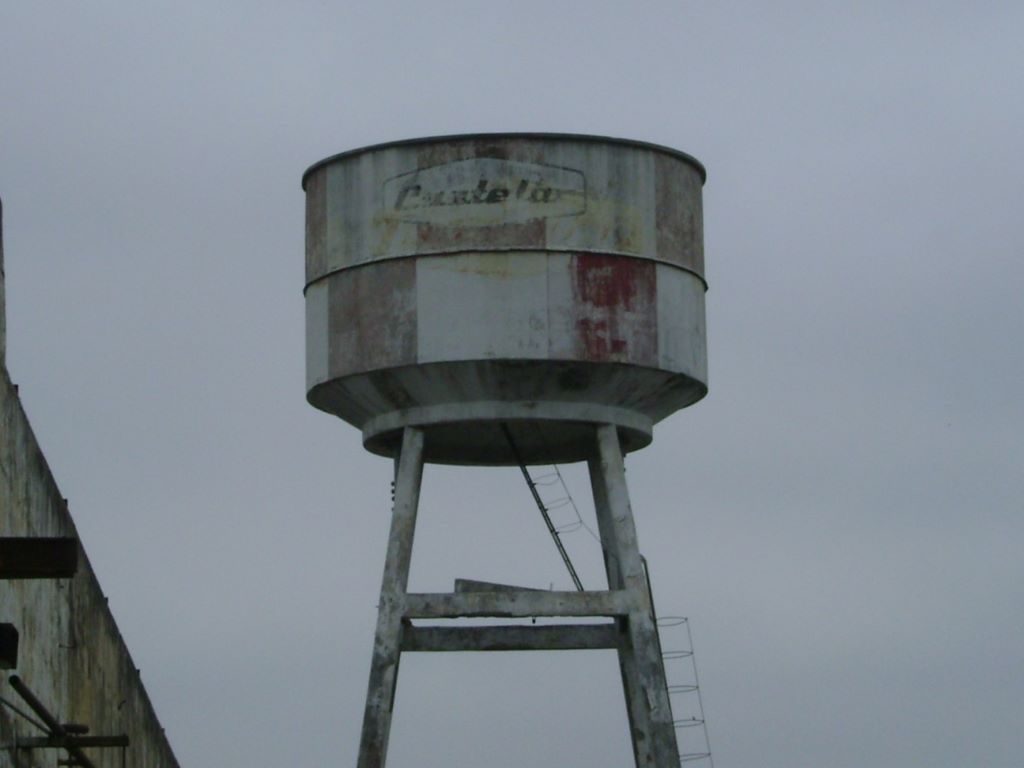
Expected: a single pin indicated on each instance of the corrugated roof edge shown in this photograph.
(477, 136)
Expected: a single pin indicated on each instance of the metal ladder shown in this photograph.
(692, 729)
(681, 685)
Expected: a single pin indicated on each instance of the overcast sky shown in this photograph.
(841, 517)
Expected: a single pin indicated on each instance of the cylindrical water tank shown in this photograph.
(545, 281)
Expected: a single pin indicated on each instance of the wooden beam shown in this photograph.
(38, 557)
(549, 637)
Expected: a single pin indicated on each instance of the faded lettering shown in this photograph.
(485, 191)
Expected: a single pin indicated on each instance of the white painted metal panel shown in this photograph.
(682, 344)
(561, 321)
(619, 215)
(482, 306)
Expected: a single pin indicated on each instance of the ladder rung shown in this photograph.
(682, 688)
(690, 756)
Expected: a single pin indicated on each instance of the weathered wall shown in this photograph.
(3, 295)
(71, 654)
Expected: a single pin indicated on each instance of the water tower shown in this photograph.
(505, 299)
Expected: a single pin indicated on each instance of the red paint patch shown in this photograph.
(615, 309)
(372, 317)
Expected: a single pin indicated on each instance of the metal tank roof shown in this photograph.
(538, 135)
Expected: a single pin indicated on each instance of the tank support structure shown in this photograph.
(627, 602)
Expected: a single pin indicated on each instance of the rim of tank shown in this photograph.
(514, 135)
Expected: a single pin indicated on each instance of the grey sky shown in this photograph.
(840, 518)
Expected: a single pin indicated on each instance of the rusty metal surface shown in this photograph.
(490, 137)
(554, 193)
(523, 271)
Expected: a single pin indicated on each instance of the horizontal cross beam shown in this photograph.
(520, 604)
(550, 637)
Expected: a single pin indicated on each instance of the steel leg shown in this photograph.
(640, 662)
(380, 697)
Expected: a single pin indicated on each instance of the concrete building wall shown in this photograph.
(71, 654)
